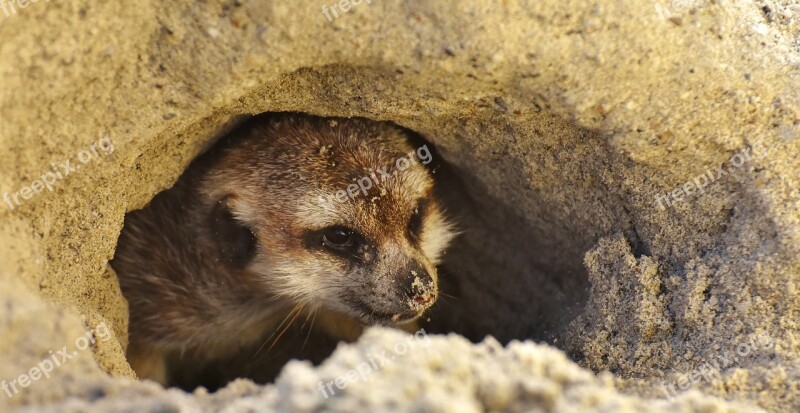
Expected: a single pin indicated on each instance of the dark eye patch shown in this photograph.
(235, 241)
(415, 223)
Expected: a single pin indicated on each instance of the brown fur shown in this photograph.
(278, 176)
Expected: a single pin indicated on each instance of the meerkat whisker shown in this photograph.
(275, 331)
(300, 310)
(310, 328)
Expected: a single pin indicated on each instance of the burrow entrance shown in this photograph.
(528, 206)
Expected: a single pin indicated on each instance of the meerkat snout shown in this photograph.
(288, 213)
(395, 288)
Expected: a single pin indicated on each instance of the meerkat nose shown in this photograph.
(424, 299)
(421, 290)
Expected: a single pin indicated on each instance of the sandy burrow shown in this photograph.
(563, 121)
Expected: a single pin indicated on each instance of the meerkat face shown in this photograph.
(379, 266)
(334, 214)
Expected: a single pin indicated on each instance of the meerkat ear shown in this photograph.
(235, 241)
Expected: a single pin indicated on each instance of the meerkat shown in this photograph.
(287, 214)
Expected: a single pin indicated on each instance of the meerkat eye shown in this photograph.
(338, 237)
(343, 242)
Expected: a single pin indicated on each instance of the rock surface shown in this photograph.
(571, 129)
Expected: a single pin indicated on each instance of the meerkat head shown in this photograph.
(337, 214)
